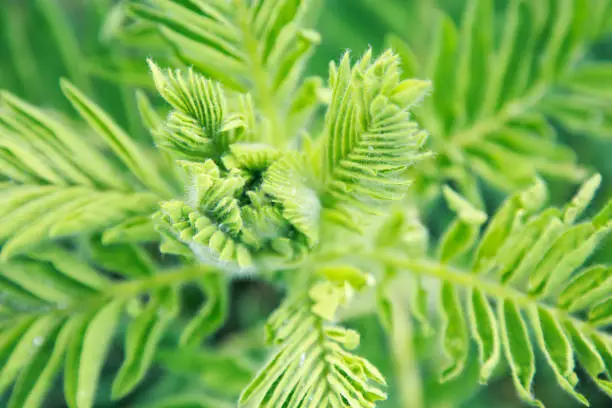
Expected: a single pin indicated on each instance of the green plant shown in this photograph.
(508, 78)
(42, 40)
(260, 172)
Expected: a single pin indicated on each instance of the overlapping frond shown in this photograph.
(57, 316)
(259, 47)
(57, 185)
(246, 199)
(253, 201)
(524, 275)
(226, 219)
(241, 209)
(312, 367)
(34, 214)
(41, 41)
(497, 90)
(370, 138)
(59, 313)
(238, 43)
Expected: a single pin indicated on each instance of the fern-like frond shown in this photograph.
(61, 314)
(51, 170)
(528, 263)
(42, 41)
(259, 47)
(34, 214)
(370, 138)
(239, 42)
(59, 311)
(497, 90)
(246, 199)
(38, 335)
(240, 209)
(312, 367)
(581, 103)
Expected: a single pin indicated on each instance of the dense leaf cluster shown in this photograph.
(258, 170)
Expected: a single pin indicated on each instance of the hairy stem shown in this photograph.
(259, 73)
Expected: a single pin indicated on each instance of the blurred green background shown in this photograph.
(43, 40)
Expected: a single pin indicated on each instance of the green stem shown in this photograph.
(259, 74)
(177, 277)
(401, 341)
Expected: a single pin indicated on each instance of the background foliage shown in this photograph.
(87, 43)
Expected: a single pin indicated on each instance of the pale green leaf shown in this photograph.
(587, 353)
(26, 349)
(464, 209)
(458, 239)
(601, 313)
(87, 353)
(582, 199)
(132, 230)
(296, 373)
(370, 139)
(300, 202)
(43, 280)
(555, 344)
(455, 335)
(78, 160)
(518, 349)
(485, 328)
(37, 378)
(71, 266)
